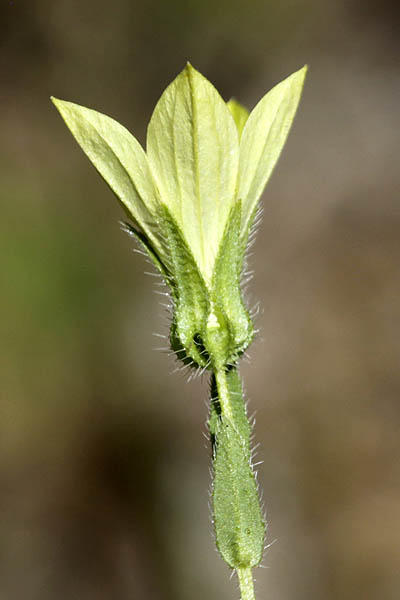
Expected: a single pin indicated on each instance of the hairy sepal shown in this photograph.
(227, 297)
(190, 297)
(211, 326)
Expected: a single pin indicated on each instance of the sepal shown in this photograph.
(227, 294)
(211, 326)
(190, 297)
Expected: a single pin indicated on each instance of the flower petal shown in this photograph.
(120, 159)
(263, 138)
(239, 113)
(193, 150)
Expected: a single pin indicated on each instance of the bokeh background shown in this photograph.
(104, 470)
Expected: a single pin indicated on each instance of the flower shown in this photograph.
(192, 196)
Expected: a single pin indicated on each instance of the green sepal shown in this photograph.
(226, 293)
(238, 522)
(211, 327)
(190, 297)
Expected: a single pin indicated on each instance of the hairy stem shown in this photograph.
(238, 522)
(246, 584)
(224, 395)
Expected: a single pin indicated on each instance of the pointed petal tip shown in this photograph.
(188, 67)
(187, 70)
(300, 73)
(303, 71)
(297, 78)
(58, 103)
(190, 70)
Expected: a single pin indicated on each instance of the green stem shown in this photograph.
(224, 396)
(246, 584)
(238, 521)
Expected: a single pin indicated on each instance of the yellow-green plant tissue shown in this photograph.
(191, 199)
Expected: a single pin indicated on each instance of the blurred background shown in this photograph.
(104, 469)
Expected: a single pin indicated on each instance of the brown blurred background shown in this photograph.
(104, 470)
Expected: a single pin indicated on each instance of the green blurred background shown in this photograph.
(104, 470)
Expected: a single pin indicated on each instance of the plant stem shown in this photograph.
(223, 393)
(246, 584)
(239, 545)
